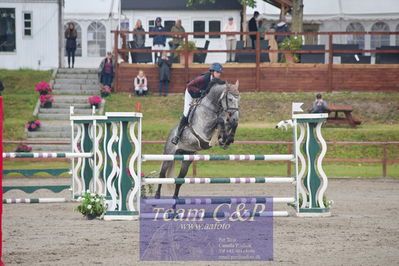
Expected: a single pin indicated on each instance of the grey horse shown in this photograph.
(213, 120)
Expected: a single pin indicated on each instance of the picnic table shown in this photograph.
(334, 118)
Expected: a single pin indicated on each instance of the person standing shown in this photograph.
(272, 45)
(71, 35)
(106, 70)
(139, 39)
(158, 42)
(177, 39)
(231, 40)
(164, 65)
(252, 27)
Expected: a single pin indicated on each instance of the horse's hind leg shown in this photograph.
(185, 165)
(162, 174)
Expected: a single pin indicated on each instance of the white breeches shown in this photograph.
(187, 101)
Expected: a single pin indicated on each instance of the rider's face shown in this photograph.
(217, 74)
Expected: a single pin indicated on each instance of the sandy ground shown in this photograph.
(363, 230)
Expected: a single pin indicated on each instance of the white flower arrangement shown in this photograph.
(91, 204)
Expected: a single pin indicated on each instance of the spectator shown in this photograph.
(231, 40)
(272, 45)
(197, 88)
(1, 87)
(140, 84)
(164, 65)
(106, 70)
(252, 26)
(319, 106)
(177, 39)
(70, 36)
(139, 39)
(158, 42)
(261, 29)
(282, 26)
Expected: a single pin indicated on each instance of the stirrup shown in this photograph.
(175, 140)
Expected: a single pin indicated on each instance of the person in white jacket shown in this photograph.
(230, 39)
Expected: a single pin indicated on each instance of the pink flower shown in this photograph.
(37, 122)
(94, 99)
(43, 86)
(33, 125)
(27, 125)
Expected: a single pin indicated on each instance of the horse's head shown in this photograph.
(230, 100)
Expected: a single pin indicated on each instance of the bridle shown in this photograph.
(226, 108)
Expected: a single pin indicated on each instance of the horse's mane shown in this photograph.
(231, 88)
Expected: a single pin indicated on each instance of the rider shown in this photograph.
(197, 88)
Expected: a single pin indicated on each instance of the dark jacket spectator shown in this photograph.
(106, 70)
(71, 35)
(164, 64)
(158, 39)
(139, 39)
(282, 27)
(253, 26)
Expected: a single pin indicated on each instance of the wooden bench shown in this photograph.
(334, 118)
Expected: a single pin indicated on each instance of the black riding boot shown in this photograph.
(182, 124)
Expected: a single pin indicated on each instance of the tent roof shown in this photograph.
(337, 9)
(179, 5)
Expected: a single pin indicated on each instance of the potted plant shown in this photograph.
(105, 91)
(47, 100)
(191, 47)
(23, 148)
(91, 205)
(43, 88)
(94, 100)
(291, 43)
(33, 125)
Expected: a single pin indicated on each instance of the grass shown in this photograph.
(19, 99)
(259, 112)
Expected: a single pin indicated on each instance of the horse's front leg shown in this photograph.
(221, 126)
(231, 135)
(185, 165)
(162, 174)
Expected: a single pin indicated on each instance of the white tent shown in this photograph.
(94, 19)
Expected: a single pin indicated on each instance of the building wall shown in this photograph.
(276, 77)
(86, 61)
(187, 18)
(40, 51)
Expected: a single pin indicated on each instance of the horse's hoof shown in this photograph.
(157, 195)
(175, 197)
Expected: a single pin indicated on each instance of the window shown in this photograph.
(151, 24)
(78, 29)
(379, 40)
(7, 30)
(355, 39)
(397, 36)
(27, 24)
(96, 36)
(214, 26)
(169, 24)
(199, 26)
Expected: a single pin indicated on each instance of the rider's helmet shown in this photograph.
(216, 67)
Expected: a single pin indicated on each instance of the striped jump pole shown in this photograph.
(46, 155)
(38, 200)
(221, 180)
(273, 157)
(207, 201)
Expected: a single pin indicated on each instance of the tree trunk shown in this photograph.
(244, 23)
(297, 16)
